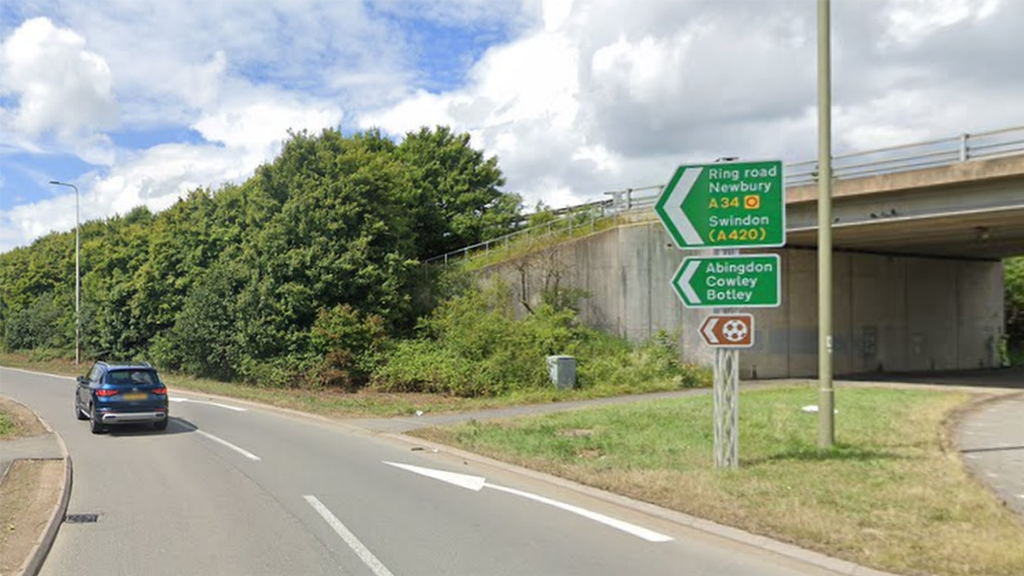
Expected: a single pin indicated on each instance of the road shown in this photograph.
(233, 490)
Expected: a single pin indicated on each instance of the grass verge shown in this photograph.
(17, 421)
(891, 494)
(30, 491)
(338, 404)
(6, 424)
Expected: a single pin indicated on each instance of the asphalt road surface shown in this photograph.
(232, 490)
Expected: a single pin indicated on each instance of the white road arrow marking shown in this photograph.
(476, 483)
(689, 269)
(674, 207)
(709, 330)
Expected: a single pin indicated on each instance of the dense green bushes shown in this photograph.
(472, 345)
(308, 274)
(296, 276)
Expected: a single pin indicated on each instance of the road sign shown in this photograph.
(735, 205)
(748, 281)
(728, 330)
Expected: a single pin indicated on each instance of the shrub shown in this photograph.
(472, 345)
(351, 345)
(41, 324)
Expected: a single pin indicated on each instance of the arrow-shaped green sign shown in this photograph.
(729, 281)
(735, 205)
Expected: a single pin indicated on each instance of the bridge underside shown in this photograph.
(986, 235)
(972, 211)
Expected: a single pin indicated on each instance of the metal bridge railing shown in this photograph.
(880, 161)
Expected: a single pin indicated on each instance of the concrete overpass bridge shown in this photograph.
(919, 231)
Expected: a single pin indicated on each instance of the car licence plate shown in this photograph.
(136, 396)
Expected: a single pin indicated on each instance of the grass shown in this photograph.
(531, 242)
(6, 424)
(338, 404)
(891, 494)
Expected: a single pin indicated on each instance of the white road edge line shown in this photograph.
(224, 442)
(362, 551)
(218, 404)
(638, 531)
(38, 373)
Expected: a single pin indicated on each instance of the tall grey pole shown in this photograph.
(78, 275)
(727, 388)
(826, 393)
(727, 396)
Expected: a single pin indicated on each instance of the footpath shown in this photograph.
(991, 441)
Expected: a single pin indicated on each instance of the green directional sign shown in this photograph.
(727, 205)
(729, 281)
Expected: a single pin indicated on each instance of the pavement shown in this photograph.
(46, 446)
(400, 425)
(991, 441)
(43, 446)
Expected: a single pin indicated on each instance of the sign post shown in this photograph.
(730, 281)
(726, 206)
(734, 205)
(728, 330)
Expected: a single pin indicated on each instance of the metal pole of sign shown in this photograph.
(727, 396)
(727, 390)
(695, 207)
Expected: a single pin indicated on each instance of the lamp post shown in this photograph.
(826, 391)
(78, 276)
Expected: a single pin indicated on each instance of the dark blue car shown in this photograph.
(114, 393)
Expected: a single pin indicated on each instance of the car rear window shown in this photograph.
(132, 377)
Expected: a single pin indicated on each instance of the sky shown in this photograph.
(140, 101)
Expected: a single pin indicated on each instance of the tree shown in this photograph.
(456, 199)
(234, 283)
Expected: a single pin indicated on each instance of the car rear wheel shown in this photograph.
(160, 424)
(95, 424)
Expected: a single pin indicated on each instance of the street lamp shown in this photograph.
(826, 388)
(78, 276)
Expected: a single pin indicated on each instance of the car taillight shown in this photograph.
(107, 392)
(159, 391)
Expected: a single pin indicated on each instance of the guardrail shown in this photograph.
(880, 161)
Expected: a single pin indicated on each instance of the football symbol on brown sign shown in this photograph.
(728, 330)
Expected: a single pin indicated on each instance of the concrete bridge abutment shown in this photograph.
(893, 313)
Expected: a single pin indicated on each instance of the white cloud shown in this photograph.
(585, 96)
(454, 12)
(61, 88)
(605, 94)
(912, 20)
(259, 124)
(172, 59)
(157, 177)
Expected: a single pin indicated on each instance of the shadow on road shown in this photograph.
(995, 449)
(175, 426)
(988, 378)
